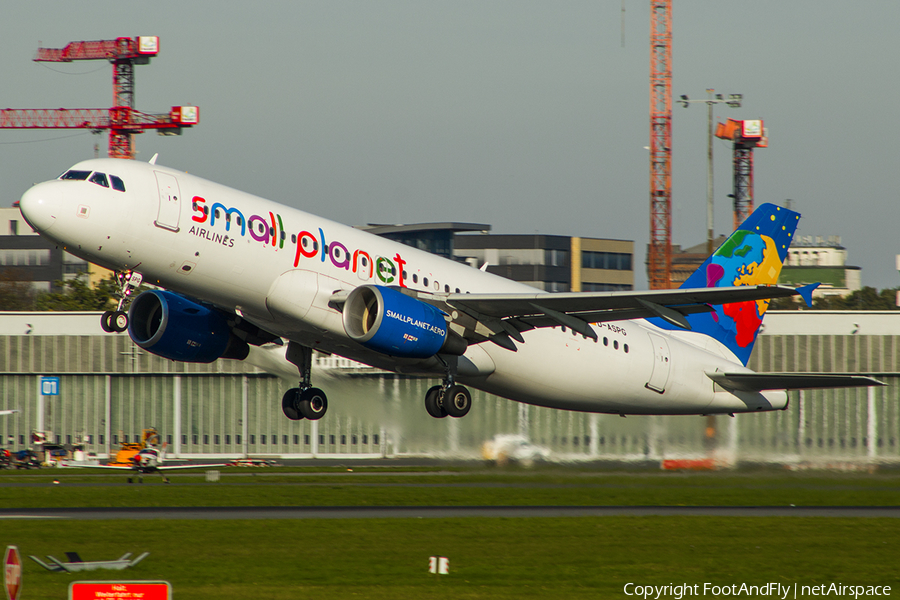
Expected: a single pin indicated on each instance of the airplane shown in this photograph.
(7, 412)
(150, 460)
(238, 270)
(76, 565)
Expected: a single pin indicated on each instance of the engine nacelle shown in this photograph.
(176, 328)
(393, 323)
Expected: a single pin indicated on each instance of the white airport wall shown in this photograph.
(111, 390)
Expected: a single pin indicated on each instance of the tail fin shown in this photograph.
(752, 255)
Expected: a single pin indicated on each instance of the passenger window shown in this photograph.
(99, 179)
(77, 175)
(117, 183)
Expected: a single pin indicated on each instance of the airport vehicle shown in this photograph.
(239, 270)
(128, 450)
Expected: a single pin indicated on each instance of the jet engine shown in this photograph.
(176, 328)
(386, 320)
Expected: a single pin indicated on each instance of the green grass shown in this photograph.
(489, 558)
(475, 487)
(583, 557)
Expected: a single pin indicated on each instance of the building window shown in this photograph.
(375, 439)
(615, 261)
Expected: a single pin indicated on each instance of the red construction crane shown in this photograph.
(746, 136)
(659, 257)
(122, 120)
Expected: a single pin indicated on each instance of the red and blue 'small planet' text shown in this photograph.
(271, 231)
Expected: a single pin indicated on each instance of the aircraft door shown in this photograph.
(659, 376)
(169, 202)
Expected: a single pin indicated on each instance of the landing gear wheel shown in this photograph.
(289, 404)
(433, 403)
(119, 321)
(106, 321)
(313, 403)
(457, 401)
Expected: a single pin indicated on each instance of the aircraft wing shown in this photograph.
(180, 467)
(504, 316)
(757, 382)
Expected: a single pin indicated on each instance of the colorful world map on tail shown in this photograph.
(752, 255)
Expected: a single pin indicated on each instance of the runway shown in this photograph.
(435, 512)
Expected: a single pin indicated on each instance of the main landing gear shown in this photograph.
(448, 398)
(304, 402)
(116, 321)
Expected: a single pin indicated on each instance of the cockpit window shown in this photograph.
(117, 183)
(73, 174)
(99, 179)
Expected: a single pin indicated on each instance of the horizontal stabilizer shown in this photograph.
(757, 382)
(52, 568)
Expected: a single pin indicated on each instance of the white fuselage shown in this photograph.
(268, 263)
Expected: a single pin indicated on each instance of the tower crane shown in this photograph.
(660, 252)
(746, 136)
(122, 120)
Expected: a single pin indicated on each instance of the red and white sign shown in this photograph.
(12, 573)
(120, 590)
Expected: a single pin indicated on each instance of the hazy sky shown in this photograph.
(530, 116)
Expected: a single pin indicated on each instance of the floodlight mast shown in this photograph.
(733, 101)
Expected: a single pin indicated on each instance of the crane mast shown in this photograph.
(660, 251)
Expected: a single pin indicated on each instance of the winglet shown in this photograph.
(806, 292)
(153, 160)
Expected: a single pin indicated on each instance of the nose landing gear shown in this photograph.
(116, 321)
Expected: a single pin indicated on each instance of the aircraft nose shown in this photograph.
(41, 205)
